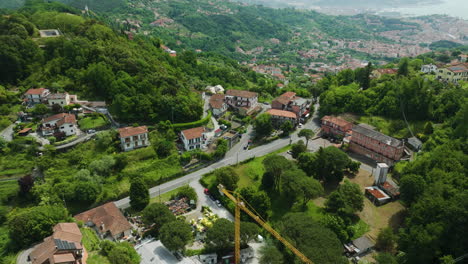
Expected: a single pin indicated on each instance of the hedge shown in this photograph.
(201, 122)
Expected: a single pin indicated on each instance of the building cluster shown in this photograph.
(453, 73)
(289, 107)
(59, 124)
(365, 140)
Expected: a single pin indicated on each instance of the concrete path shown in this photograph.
(7, 133)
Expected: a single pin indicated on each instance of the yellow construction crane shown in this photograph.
(242, 204)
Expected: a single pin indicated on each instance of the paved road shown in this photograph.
(232, 157)
(7, 133)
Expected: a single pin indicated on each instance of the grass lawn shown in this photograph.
(92, 122)
(394, 128)
(165, 196)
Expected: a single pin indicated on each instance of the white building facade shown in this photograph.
(133, 137)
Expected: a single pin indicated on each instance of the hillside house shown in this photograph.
(194, 138)
(36, 96)
(49, 33)
(429, 68)
(290, 102)
(377, 73)
(375, 145)
(453, 73)
(63, 246)
(335, 126)
(59, 123)
(61, 99)
(244, 101)
(218, 105)
(107, 220)
(133, 137)
(278, 117)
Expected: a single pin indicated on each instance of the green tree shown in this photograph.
(346, 200)
(403, 68)
(385, 258)
(275, 165)
(157, 213)
(123, 253)
(175, 235)
(249, 232)
(221, 235)
(316, 242)
(428, 128)
(164, 148)
(228, 177)
(411, 186)
(263, 126)
(40, 109)
(258, 200)
(139, 195)
(298, 148)
(308, 134)
(386, 240)
(286, 127)
(328, 164)
(33, 224)
(270, 255)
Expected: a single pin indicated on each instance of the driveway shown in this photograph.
(153, 251)
(23, 256)
(7, 133)
(204, 199)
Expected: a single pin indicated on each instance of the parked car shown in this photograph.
(212, 198)
(91, 131)
(218, 203)
(206, 191)
(289, 152)
(246, 146)
(265, 103)
(300, 125)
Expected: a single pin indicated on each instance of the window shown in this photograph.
(128, 145)
(71, 125)
(72, 131)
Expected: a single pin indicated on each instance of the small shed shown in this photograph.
(414, 143)
(359, 247)
(208, 258)
(376, 195)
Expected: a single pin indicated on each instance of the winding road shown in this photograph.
(235, 155)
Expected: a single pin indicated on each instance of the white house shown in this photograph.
(133, 137)
(36, 96)
(64, 123)
(243, 101)
(61, 99)
(218, 105)
(428, 68)
(194, 138)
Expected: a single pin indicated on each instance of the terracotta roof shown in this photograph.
(66, 236)
(336, 120)
(106, 217)
(67, 119)
(217, 101)
(132, 131)
(387, 71)
(377, 193)
(289, 95)
(192, 133)
(276, 112)
(37, 91)
(53, 117)
(241, 93)
(25, 130)
(53, 96)
(462, 67)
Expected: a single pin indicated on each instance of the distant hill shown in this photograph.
(96, 5)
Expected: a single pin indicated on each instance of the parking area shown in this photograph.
(152, 251)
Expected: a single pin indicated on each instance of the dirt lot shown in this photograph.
(390, 214)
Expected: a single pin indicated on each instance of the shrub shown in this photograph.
(201, 122)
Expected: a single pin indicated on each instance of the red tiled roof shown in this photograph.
(53, 96)
(192, 133)
(37, 91)
(106, 217)
(132, 131)
(67, 119)
(387, 71)
(288, 95)
(376, 193)
(241, 93)
(54, 117)
(336, 120)
(27, 129)
(276, 112)
(217, 101)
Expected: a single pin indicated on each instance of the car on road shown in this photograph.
(212, 198)
(289, 152)
(265, 103)
(300, 125)
(91, 131)
(218, 203)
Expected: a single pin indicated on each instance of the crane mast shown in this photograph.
(240, 205)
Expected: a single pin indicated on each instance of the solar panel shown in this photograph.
(64, 245)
